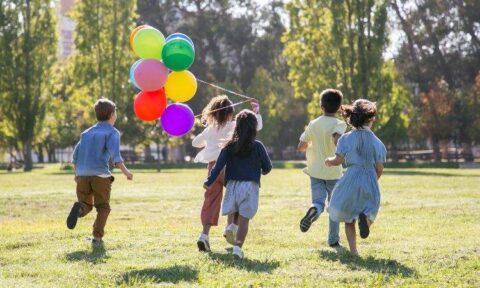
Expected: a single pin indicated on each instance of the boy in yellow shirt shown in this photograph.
(319, 141)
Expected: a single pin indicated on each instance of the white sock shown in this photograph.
(203, 236)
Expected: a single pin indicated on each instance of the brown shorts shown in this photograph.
(95, 191)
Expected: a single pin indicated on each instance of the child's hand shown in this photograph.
(129, 175)
(255, 106)
(328, 162)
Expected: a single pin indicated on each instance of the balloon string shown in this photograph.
(226, 90)
(233, 105)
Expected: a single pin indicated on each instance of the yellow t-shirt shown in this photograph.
(319, 136)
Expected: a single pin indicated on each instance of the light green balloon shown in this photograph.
(148, 43)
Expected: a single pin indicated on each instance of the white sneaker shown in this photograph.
(237, 252)
(230, 233)
(203, 244)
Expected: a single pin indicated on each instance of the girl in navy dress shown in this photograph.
(357, 195)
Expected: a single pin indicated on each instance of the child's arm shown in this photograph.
(336, 136)
(334, 161)
(379, 169)
(266, 163)
(124, 169)
(303, 144)
(338, 131)
(221, 162)
(256, 110)
(113, 147)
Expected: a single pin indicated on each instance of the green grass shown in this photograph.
(426, 234)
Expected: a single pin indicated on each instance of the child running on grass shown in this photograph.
(245, 159)
(357, 194)
(218, 116)
(319, 140)
(98, 145)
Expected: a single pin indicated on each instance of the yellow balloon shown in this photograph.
(181, 86)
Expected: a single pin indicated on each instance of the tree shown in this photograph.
(394, 115)
(103, 58)
(336, 44)
(28, 42)
(241, 51)
(440, 53)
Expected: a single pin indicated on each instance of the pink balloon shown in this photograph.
(150, 75)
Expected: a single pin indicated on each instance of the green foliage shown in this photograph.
(394, 109)
(336, 44)
(283, 116)
(440, 54)
(102, 61)
(28, 51)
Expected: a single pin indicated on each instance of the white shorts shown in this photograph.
(242, 197)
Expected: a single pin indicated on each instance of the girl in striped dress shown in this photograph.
(357, 195)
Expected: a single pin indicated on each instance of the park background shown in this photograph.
(418, 59)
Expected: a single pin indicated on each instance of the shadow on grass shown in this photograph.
(387, 266)
(172, 274)
(422, 173)
(265, 266)
(98, 254)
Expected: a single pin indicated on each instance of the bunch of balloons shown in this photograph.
(162, 73)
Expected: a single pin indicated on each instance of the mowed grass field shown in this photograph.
(427, 234)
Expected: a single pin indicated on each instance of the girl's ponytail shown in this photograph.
(360, 113)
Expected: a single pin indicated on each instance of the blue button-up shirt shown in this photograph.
(98, 144)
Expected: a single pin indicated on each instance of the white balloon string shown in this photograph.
(233, 105)
(224, 89)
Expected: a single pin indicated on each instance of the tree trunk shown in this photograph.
(394, 153)
(467, 152)
(27, 156)
(148, 154)
(50, 153)
(437, 156)
(40, 153)
(158, 154)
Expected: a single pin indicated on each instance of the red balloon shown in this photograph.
(149, 105)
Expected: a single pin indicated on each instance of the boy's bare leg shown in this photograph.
(242, 230)
(351, 237)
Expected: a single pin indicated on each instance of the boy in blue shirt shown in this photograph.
(98, 145)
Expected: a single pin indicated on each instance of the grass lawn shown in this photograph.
(426, 234)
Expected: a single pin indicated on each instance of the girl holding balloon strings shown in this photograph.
(220, 125)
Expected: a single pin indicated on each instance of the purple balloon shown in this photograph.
(150, 75)
(177, 120)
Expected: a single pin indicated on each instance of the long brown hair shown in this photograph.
(244, 135)
(218, 112)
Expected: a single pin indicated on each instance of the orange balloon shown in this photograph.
(149, 105)
(134, 31)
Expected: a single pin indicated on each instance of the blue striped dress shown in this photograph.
(357, 191)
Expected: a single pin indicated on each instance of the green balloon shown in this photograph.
(148, 43)
(178, 54)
